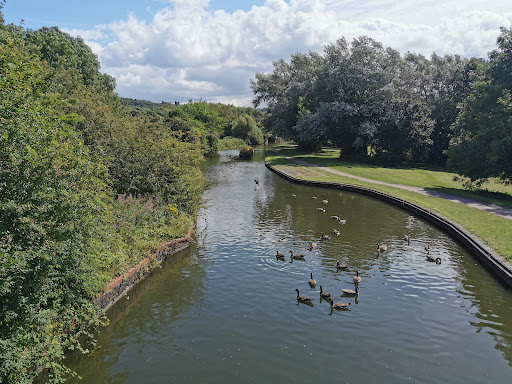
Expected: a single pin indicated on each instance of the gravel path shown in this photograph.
(493, 208)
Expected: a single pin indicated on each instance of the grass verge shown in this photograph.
(431, 178)
(492, 230)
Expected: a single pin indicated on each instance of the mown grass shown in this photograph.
(435, 179)
(494, 231)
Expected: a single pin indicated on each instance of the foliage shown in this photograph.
(207, 122)
(245, 127)
(65, 53)
(229, 142)
(88, 187)
(246, 152)
(365, 99)
(52, 202)
(481, 145)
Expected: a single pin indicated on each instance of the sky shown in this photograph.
(178, 50)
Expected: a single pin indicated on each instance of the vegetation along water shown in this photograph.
(91, 183)
(226, 309)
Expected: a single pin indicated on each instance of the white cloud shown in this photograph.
(187, 51)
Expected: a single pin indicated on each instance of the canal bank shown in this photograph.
(120, 286)
(225, 309)
(493, 262)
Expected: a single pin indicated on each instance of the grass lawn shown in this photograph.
(492, 230)
(424, 177)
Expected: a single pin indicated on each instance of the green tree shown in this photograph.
(481, 145)
(62, 51)
(52, 203)
(245, 127)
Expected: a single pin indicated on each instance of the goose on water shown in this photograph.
(297, 257)
(323, 294)
(350, 292)
(336, 232)
(341, 266)
(341, 306)
(304, 299)
(382, 247)
(321, 209)
(357, 278)
(279, 255)
(312, 282)
(437, 260)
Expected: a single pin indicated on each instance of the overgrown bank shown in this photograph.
(90, 185)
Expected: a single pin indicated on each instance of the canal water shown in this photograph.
(225, 310)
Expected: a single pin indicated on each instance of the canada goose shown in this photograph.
(350, 292)
(321, 209)
(357, 278)
(382, 247)
(341, 306)
(312, 282)
(341, 266)
(336, 232)
(335, 217)
(325, 237)
(304, 299)
(325, 201)
(256, 188)
(312, 246)
(279, 255)
(323, 294)
(407, 238)
(342, 221)
(293, 195)
(297, 257)
(257, 181)
(314, 197)
(428, 248)
(437, 260)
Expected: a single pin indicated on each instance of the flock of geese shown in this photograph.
(381, 248)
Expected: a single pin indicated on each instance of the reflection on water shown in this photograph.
(226, 309)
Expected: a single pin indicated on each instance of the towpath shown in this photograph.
(493, 208)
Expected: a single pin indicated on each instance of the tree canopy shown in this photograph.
(366, 99)
(481, 145)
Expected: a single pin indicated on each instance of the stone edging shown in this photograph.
(122, 284)
(493, 262)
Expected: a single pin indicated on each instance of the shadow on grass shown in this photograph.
(498, 198)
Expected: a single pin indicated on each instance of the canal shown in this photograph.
(225, 310)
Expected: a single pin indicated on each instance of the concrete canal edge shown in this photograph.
(118, 287)
(494, 263)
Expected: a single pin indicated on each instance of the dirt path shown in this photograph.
(496, 209)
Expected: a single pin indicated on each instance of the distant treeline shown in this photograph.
(207, 123)
(89, 186)
(379, 106)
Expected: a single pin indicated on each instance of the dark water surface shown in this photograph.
(225, 310)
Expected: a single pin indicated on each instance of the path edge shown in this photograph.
(494, 263)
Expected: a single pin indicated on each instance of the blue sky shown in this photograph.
(210, 49)
(86, 14)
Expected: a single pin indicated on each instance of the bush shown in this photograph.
(246, 152)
